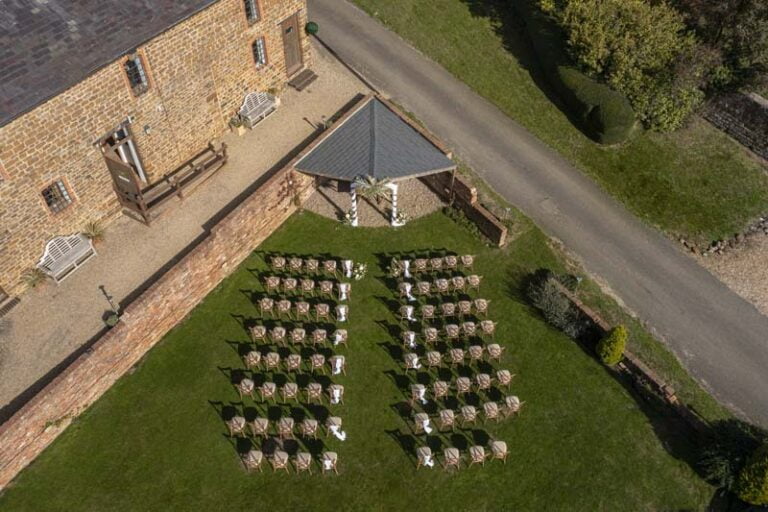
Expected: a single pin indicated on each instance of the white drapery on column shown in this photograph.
(393, 219)
(353, 208)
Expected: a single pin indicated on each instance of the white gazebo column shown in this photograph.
(353, 209)
(393, 220)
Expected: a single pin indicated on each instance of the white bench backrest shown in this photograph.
(63, 249)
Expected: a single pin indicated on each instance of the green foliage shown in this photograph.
(94, 231)
(34, 277)
(726, 451)
(752, 484)
(639, 48)
(372, 188)
(611, 348)
(460, 218)
(557, 310)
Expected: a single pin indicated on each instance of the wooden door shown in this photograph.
(292, 44)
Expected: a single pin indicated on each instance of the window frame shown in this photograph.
(59, 183)
(143, 70)
(254, 42)
(257, 9)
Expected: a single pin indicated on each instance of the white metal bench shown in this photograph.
(257, 106)
(64, 254)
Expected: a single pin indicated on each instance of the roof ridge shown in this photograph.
(372, 143)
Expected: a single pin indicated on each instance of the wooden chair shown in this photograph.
(420, 423)
(293, 363)
(440, 389)
(317, 363)
(424, 289)
(483, 381)
(308, 428)
(312, 266)
(290, 285)
(481, 306)
(436, 264)
(271, 361)
(420, 265)
(434, 359)
(252, 359)
(465, 308)
(279, 461)
(495, 351)
(278, 263)
(499, 451)
(473, 282)
(272, 284)
(457, 356)
(338, 364)
(236, 426)
(468, 329)
(477, 455)
(504, 378)
(267, 391)
(284, 308)
(412, 361)
(405, 314)
(336, 394)
(448, 310)
(418, 394)
(512, 405)
(442, 286)
(285, 428)
(451, 458)
(340, 337)
(423, 455)
(409, 339)
(295, 265)
(245, 387)
(319, 337)
(427, 312)
(326, 289)
(267, 305)
(332, 421)
(259, 427)
(488, 328)
(490, 411)
(447, 418)
(302, 310)
(303, 462)
(431, 335)
(322, 311)
(459, 284)
(330, 461)
(451, 262)
(467, 261)
(314, 392)
(298, 336)
(258, 333)
(329, 267)
(253, 460)
(277, 335)
(468, 415)
(308, 287)
(452, 332)
(463, 386)
(475, 353)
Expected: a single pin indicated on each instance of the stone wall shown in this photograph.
(199, 72)
(744, 117)
(146, 320)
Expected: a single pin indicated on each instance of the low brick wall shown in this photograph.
(742, 116)
(465, 197)
(146, 320)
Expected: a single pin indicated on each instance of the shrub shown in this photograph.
(557, 310)
(94, 231)
(752, 484)
(34, 277)
(610, 349)
(725, 453)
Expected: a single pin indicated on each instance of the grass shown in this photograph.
(696, 182)
(156, 440)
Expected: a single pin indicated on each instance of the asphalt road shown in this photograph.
(719, 337)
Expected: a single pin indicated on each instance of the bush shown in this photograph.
(610, 349)
(752, 484)
(34, 277)
(557, 310)
(727, 450)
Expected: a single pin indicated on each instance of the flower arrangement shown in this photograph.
(359, 271)
(347, 218)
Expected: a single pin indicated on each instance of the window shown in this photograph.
(56, 196)
(260, 51)
(137, 76)
(252, 10)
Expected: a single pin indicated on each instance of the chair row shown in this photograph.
(284, 428)
(301, 309)
(316, 363)
(461, 386)
(465, 330)
(293, 286)
(467, 415)
(297, 336)
(440, 286)
(460, 309)
(408, 266)
(454, 357)
(312, 266)
(290, 391)
(452, 458)
(280, 460)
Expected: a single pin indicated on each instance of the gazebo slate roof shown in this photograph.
(374, 141)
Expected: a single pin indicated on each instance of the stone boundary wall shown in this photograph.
(742, 116)
(146, 320)
(465, 195)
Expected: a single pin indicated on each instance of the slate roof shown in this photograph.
(47, 46)
(374, 141)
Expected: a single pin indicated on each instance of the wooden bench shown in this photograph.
(64, 254)
(257, 106)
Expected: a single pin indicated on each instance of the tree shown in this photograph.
(611, 348)
(372, 188)
(752, 485)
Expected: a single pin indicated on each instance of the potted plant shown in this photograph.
(237, 125)
(94, 232)
(35, 277)
(111, 319)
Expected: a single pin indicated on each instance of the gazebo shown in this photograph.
(375, 140)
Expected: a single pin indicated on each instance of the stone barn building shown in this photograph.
(138, 85)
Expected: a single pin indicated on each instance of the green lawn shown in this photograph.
(156, 440)
(695, 182)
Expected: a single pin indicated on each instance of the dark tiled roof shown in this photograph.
(47, 46)
(374, 141)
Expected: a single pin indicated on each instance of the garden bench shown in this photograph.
(257, 106)
(64, 254)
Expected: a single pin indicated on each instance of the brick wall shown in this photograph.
(744, 117)
(199, 72)
(145, 321)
